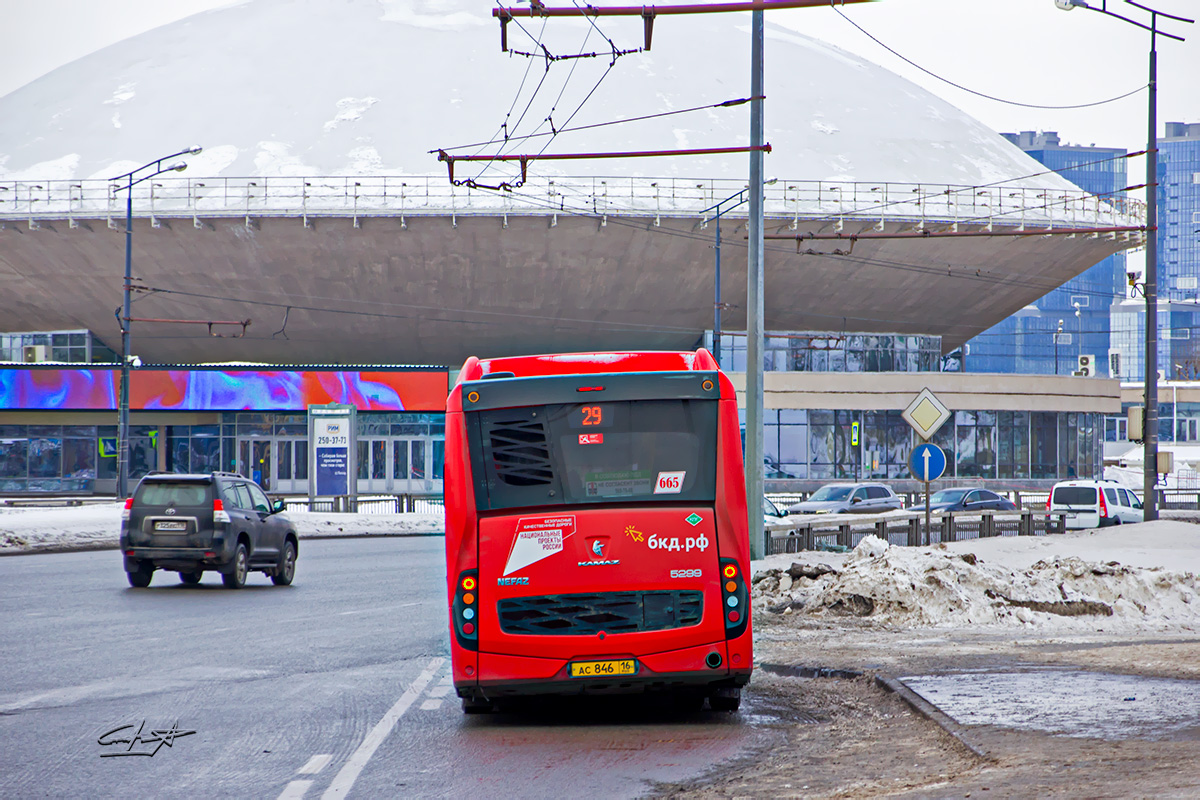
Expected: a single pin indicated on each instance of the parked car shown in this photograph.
(841, 498)
(771, 512)
(1093, 504)
(218, 522)
(965, 499)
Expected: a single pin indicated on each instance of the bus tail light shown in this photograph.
(220, 515)
(465, 610)
(735, 599)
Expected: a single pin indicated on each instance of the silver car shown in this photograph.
(855, 498)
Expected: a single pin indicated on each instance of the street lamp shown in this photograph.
(734, 200)
(132, 179)
(1057, 338)
(1079, 331)
(1150, 417)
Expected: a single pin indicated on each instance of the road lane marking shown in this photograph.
(295, 790)
(442, 689)
(315, 764)
(431, 705)
(349, 772)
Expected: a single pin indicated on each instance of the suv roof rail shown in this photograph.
(230, 474)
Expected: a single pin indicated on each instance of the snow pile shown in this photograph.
(79, 527)
(98, 526)
(935, 586)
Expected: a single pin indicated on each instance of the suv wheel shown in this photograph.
(236, 578)
(140, 579)
(286, 569)
(191, 578)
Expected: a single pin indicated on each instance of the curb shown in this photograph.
(930, 712)
(917, 703)
(84, 548)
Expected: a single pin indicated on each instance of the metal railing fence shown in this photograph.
(408, 195)
(907, 530)
(373, 504)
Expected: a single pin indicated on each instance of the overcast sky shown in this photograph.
(1025, 51)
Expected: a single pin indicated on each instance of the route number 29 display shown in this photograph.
(669, 482)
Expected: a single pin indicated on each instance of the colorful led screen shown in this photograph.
(51, 389)
(223, 390)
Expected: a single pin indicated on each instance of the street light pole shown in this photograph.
(754, 299)
(1057, 336)
(1150, 416)
(721, 209)
(126, 323)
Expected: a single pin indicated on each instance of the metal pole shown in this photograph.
(928, 538)
(1150, 435)
(717, 297)
(123, 411)
(754, 298)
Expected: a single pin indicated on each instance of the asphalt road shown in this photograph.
(336, 686)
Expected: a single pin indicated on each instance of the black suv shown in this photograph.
(221, 522)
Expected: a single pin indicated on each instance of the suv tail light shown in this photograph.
(220, 515)
(1048, 497)
(1103, 505)
(125, 511)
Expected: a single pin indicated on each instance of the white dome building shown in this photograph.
(317, 199)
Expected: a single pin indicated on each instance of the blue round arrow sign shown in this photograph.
(927, 462)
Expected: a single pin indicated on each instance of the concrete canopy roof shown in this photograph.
(281, 92)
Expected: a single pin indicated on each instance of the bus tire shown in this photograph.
(471, 705)
(727, 699)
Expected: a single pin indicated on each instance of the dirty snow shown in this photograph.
(97, 525)
(1138, 577)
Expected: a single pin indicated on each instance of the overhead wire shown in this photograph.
(932, 74)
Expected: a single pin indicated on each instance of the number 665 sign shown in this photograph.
(669, 482)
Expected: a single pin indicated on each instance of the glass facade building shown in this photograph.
(825, 351)
(1029, 342)
(74, 347)
(820, 444)
(398, 453)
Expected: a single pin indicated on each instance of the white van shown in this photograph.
(1093, 504)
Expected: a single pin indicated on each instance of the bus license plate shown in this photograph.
(602, 669)
(170, 525)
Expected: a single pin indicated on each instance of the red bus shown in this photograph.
(596, 529)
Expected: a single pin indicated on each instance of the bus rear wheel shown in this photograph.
(727, 699)
(472, 705)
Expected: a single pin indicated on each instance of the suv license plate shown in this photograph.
(602, 669)
(171, 525)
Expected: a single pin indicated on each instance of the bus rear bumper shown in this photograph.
(511, 676)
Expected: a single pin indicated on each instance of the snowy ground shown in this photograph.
(1132, 578)
(96, 526)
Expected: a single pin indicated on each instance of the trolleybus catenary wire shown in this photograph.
(936, 76)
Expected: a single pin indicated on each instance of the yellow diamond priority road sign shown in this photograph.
(926, 414)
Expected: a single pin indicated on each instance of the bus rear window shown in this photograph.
(616, 451)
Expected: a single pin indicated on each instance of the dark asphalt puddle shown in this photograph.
(1068, 702)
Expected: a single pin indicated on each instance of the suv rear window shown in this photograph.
(608, 451)
(172, 494)
(1074, 496)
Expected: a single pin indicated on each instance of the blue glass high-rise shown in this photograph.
(1026, 342)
